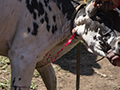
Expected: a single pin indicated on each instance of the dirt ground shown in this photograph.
(93, 75)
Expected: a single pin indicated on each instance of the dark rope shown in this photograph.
(100, 59)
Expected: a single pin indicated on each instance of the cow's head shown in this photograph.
(98, 29)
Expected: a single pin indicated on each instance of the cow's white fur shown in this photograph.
(20, 46)
(93, 45)
(26, 50)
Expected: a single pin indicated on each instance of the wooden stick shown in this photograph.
(48, 75)
(78, 67)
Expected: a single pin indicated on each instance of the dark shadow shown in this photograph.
(68, 61)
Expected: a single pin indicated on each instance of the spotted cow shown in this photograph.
(32, 31)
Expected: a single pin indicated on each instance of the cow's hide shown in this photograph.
(33, 31)
(99, 29)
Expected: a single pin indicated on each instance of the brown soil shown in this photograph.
(93, 75)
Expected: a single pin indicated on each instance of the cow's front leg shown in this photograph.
(22, 68)
(48, 75)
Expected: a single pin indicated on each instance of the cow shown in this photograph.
(32, 32)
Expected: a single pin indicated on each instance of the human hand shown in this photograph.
(107, 4)
(113, 58)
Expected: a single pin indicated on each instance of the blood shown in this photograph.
(48, 57)
(66, 44)
(46, 54)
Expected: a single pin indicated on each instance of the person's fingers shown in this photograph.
(116, 60)
(113, 58)
(97, 1)
(106, 5)
(110, 55)
(109, 51)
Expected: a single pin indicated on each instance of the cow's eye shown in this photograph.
(84, 15)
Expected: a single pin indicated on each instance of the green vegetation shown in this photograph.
(33, 86)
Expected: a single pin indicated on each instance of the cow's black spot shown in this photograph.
(94, 38)
(40, 9)
(19, 79)
(46, 2)
(28, 30)
(48, 27)
(49, 8)
(58, 6)
(54, 18)
(54, 28)
(46, 17)
(34, 5)
(35, 29)
(29, 6)
(42, 20)
(34, 15)
(67, 7)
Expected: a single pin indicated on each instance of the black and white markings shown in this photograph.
(46, 2)
(48, 27)
(42, 20)
(46, 18)
(54, 18)
(54, 28)
(44, 12)
(34, 5)
(35, 29)
(29, 30)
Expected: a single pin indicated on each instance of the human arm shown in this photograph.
(107, 4)
(113, 58)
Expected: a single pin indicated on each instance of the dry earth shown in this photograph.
(93, 75)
